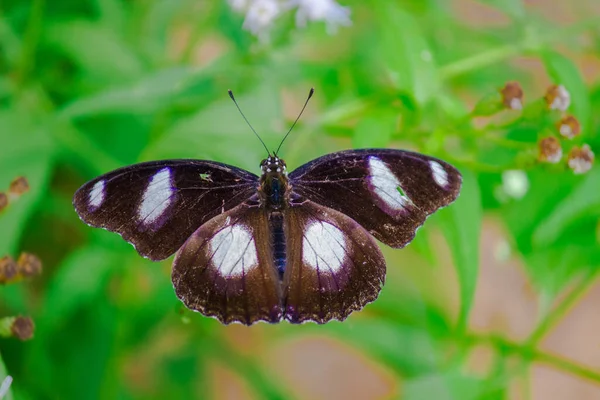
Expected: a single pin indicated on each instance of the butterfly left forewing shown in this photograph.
(226, 269)
(389, 192)
(157, 205)
(333, 267)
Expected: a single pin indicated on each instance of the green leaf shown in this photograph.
(461, 224)
(488, 105)
(96, 49)
(565, 72)
(406, 52)
(582, 202)
(80, 279)
(148, 94)
(375, 131)
(553, 268)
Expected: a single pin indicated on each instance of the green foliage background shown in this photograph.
(91, 85)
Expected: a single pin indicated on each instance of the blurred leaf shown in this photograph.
(546, 189)
(583, 201)
(513, 8)
(375, 131)
(552, 269)
(144, 96)
(96, 49)
(565, 72)
(461, 223)
(220, 122)
(409, 350)
(406, 52)
(112, 13)
(79, 280)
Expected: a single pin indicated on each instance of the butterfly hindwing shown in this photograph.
(226, 269)
(389, 192)
(157, 205)
(334, 266)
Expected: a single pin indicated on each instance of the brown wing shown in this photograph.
(157, 205)
(225, 269)
(333, 267)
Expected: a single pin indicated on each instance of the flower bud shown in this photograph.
(550, 150)
(18, 327)
(29, 265)
(3, 201)
(569, 127)
(18, 186)
(512, 96)
(580, 159)
(8, 269)
(558, 98)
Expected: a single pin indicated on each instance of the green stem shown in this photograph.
(568, 366)
(478, 61)
(529, 354)
(561, 310)
(30, 40)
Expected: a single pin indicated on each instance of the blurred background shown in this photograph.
(497, 296)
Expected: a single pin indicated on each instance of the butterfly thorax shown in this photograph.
(274, 184)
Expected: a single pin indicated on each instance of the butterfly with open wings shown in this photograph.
(296, 247)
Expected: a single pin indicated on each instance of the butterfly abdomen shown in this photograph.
(278, 242)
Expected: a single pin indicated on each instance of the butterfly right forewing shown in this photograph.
(389, 192)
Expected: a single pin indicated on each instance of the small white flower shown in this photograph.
(238, 5)
(322, 10)
(260, 16)
(515, 183)
(5, 386)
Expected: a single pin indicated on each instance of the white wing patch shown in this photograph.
(233, 250)
(324, 246)
(440, 176)
(384, 184)
(96, 196)
(157, 197)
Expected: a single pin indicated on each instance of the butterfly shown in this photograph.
(297, 246)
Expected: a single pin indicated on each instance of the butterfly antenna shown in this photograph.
(246, 119)
(312, 91)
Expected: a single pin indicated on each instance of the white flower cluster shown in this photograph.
(260, 14)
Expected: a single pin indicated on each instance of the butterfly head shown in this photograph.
(273, 166)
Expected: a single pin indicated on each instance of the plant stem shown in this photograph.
(529, 354)
(561, 310)
(30, 41)
(477, 61)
